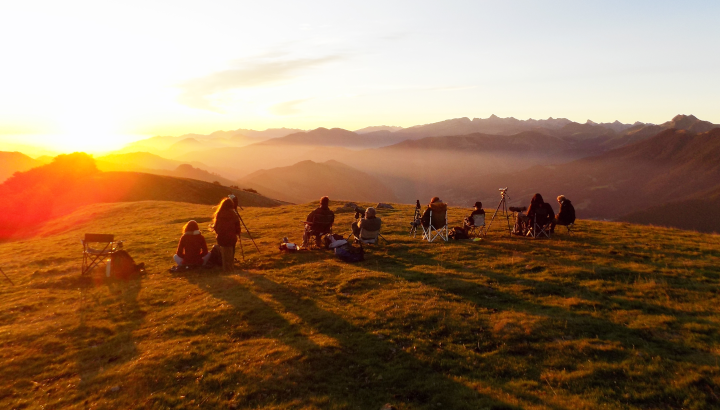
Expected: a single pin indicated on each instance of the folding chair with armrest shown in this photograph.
(539, 224)
(477, 229)
(93, 256)
(319, 226)
(438, 227)
(367, 237)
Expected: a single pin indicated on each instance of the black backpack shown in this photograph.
(349, 253)
(122, 265)
(458, 233)
(215, 256)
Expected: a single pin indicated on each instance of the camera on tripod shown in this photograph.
(359, 212)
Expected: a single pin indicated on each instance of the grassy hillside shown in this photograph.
(617, 316)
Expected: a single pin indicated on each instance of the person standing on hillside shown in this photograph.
(227, 230)
(566, 215)
(192, 249)
(318, 222)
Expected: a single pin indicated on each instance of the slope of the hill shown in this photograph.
(308, 181)
(617, 316)
(673, 165)
(29, 199)
(698, 213)
(12, 162)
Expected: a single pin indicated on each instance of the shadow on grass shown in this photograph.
(360, 371)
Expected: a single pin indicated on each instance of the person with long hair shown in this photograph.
(226, 225)
(192, 249)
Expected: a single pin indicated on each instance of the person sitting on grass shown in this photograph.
(470, 220)
(439, 210)
(318, 222)
(192, 249)
(566, 215)
(227, 230)
(370, 223)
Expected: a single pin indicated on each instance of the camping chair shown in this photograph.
(477, 229)
(367, 237)
(319, 226)
(540, 224)
(438, 227)
(93, 256)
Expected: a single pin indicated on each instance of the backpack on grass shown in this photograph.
(215, 257)
(458, 233)
(122, 265)
(349, 253)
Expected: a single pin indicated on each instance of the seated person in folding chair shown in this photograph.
(369, 224)
(318, 222)
(470, 220)
(438, 209)
(526, 220)
(567, 213)
(192, 249)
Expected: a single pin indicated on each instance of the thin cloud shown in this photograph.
(287, 107)
(254, 74)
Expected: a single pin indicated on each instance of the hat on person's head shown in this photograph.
(370, 211)
(561, 198)
(478, 205)
(324, 201)
(435, 199)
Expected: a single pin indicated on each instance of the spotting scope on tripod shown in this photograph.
(502, 206)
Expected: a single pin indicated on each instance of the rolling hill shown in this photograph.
(699, 213)
(12, 162)
(308, 181)
(30, 198)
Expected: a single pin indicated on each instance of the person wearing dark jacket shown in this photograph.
(227, 230)
(318, 222)
(566, 215)
(538, 208)
(192, 249)
(470, 220)
(439, 213)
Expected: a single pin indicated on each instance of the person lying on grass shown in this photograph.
(192, 249)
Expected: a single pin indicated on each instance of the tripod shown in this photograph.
(242, 252)
(502, 205)
(416, 217)
(6, 277)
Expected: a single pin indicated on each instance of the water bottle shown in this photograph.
(108, 267)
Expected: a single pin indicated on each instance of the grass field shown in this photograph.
(618, 316)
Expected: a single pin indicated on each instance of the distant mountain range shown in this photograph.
(609, 170)
(672, 166)
(308, 181)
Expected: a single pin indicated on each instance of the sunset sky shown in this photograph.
(93, 75)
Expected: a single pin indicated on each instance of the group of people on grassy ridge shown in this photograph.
(192, 249)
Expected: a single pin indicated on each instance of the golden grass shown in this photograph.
(617, 316)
